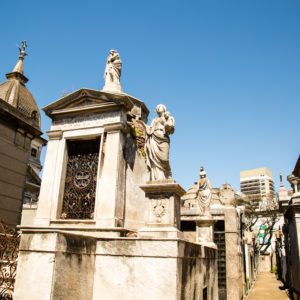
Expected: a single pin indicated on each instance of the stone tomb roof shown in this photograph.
(93, 100)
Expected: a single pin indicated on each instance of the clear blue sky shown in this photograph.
(229, 71)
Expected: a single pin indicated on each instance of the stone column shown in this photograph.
(49, 192)
(163, 209)
(234, 279)
(109, 210)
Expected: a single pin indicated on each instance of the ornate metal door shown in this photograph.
(219, 239)
(81, 178)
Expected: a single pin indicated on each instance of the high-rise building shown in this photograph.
(257, 184)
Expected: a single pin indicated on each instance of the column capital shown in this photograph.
(54, 134)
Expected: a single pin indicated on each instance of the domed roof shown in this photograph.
(15, 93)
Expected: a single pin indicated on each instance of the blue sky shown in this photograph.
(228, 71)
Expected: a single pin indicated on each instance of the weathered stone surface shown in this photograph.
(163, 209)
(234, 271)
(95, 256)
(205, 231)
(13, 167)
(77, 267)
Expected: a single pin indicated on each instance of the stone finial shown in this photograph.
(112, 73)
(19, 68)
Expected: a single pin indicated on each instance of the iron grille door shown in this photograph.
(219, 239)
(81, 179)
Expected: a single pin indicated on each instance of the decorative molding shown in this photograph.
(116, 127)
(159, 208)
(54, 134)
(168, 186)
(86, 121)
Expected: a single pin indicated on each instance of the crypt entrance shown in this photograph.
(81, 179)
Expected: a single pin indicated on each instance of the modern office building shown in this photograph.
(257, 184)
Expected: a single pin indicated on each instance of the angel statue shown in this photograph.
(204, 193)
(112, 73)
(157, 144)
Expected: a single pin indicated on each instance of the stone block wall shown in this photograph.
(79, 267)
(264, 263)
(14, 156)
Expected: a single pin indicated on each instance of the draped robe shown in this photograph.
(157, 147)
(204, 195)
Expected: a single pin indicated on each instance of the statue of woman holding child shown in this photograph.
(157, 144)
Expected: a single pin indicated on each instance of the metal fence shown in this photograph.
(9, 246)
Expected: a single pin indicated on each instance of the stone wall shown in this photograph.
(28, 215)
(234, 258)
(74, 266)
(292, 220)
(264, 263)
(79, 267)
(14, 155)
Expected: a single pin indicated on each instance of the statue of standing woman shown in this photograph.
(112, 73)
(157, 144)
(204, 193)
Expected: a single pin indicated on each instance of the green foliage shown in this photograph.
(274, 270)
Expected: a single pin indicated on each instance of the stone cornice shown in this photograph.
(14, 116)
(95, 100)
(54, 134)
(168, 186)
(116, 127)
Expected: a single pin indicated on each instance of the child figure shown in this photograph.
(169, 123)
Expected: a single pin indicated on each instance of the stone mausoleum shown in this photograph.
(107, 224)
(20, 144)
(234, 256)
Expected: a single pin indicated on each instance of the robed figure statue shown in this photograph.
(112, 73)
(204, 193)
(157, 144)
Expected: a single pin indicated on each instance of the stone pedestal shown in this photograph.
(163, 209)
(205, 231)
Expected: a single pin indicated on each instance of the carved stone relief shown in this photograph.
(159, 208)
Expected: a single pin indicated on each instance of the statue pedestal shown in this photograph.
(163, 209)
(205, 231)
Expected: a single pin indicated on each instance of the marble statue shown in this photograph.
(112, 73)
(157, 144)
(204, 193)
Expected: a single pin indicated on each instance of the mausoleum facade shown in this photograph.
(107, 224)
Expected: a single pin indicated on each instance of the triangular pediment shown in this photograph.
(86, 99)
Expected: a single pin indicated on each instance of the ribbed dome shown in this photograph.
(15, 93)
